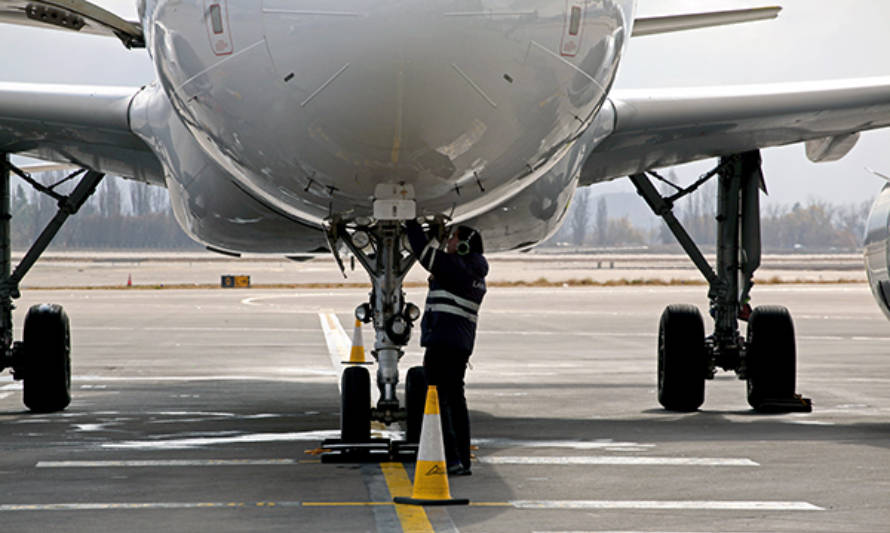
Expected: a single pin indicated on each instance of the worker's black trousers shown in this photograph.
(445, 368)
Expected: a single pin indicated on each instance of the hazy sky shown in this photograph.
(811, 40)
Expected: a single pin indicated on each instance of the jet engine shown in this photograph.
(877, 249)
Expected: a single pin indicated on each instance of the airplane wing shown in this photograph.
(82, 125)
(671, 23)
(664, 127)
(71, 15)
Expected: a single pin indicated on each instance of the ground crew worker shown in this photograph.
(448, 328)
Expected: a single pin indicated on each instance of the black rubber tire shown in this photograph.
(771, 358)
(355, 405)
(415, 402)
(682, 364)
(47, 340)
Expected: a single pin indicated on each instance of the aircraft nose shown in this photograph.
(385, 79)
(423, 91)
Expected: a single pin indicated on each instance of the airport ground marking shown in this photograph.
(168, 462)
(337, 341)
(617, 460)
(604, 460)
(339, 346)
(136, 506)
(347, 504)
(674, 505)
(412, 517)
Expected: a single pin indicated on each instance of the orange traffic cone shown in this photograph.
(430, 472)
(357, 353)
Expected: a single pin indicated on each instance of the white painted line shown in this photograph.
(616, 460)
(838, 379)
(809, 422)
(257, 344)
(548, 333)
(249, 438)
(572, 444)
(518, 504)
(337, 341)
(4, 395)
(666, 505)
(169, 462)
(12, 386)
(130, 506)
(339, 346)
(309, 372)
(196, 328)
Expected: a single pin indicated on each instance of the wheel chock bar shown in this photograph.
(795, 404)
(373, 451)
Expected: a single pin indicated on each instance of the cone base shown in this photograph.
(421, 501)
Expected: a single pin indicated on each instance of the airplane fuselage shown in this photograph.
(487, 108)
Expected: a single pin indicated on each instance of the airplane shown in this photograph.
(301, 126)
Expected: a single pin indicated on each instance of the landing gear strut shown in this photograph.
(380, 249)
(42, 359)
(686, 358)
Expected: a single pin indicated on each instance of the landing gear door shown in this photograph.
(573, 28)
(216, 18)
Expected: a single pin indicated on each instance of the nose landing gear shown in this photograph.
(686, 358)
(380, 249)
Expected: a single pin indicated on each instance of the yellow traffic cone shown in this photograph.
(357, 353)
(430, 472)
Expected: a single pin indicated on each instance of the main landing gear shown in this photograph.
(43, 358)
(382, 250)
(686, 357)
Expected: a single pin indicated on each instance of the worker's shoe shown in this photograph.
(459, 470)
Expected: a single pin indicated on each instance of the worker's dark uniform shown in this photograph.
(448, 332)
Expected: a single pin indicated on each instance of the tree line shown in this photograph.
(124, 214)
(120, 214)
(815, 225)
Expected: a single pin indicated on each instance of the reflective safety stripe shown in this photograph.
(451, 309)
(457, 299)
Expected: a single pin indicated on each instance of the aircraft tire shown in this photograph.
(681, 358)
(770, 361)
(415, 401)
(355, 405)
(47, 366)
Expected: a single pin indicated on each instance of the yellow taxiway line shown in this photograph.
(412, 517)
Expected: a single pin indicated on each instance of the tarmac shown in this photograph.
(200, 410)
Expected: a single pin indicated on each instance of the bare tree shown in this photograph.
(580, 215)
(602, 222)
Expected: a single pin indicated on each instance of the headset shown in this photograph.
(463, 246)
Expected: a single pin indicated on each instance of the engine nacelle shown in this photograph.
(877, 250)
